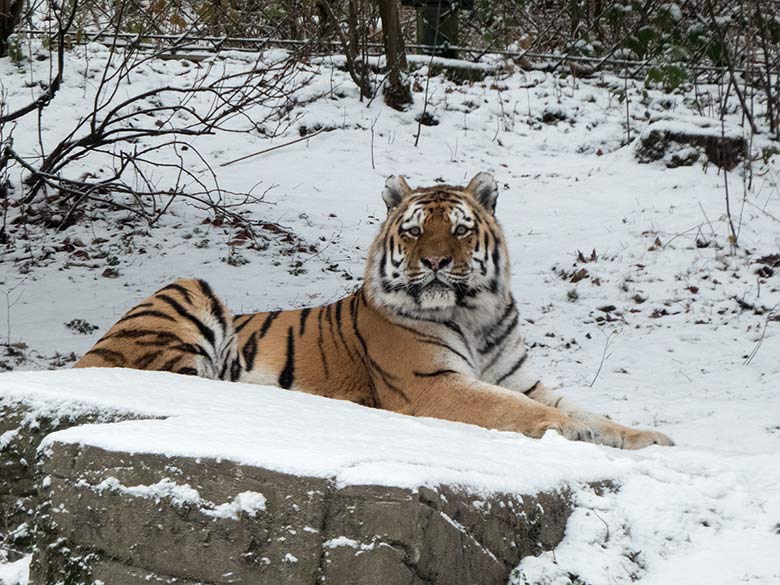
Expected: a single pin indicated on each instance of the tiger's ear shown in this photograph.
(485, 190)
(396, 188)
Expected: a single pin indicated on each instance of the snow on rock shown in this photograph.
(179, 495)
(342, 541)
(7, 437)
(682, 140)
(296, 433)
(250, 470)
(249, 503)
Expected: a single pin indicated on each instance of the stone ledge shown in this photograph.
(194, 481)
(22, 428)
(124, 519)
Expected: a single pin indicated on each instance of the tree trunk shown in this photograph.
(398, 95)
(10, 13)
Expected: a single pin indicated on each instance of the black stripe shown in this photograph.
(383, 262)
(204, 286)
(156, 343)
(386, 376)
(114, 357)
(374, 366)
(304, 315)
(434, 374)
(320, 342)
(219, 312)
(496, 257)
(329, 319)
(388, 287)
(416, 332)
(205, 331)
(338, 317)
(147, 359)
(150, 313)
(244, 323)
(447, 347)
(557, 402)
(532, 389)
(268, 322)
(456, 328)
(396, 263)
(217, 309)
(371, 388)
(501, 319)
(513, 369)
(136, 333)
(170, 364)
(352, 306)
(501, 338)
(235, 371)
(496, 356)
(339, 329)
(194, 349)
(442, 197)
(188, 371)
(288, 373)
(185, 293)
(433, 340)
(249, 351)
(451, 325)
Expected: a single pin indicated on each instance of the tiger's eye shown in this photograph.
(461, 230)
(415, 232)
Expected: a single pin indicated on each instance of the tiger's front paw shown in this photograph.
(635, 439)
(572, 429)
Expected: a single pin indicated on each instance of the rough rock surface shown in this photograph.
(21, 430)
(683, 141)
(130, 519)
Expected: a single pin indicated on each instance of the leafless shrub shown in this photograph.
(132, 138)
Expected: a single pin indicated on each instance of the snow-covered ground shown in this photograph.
(658, 331)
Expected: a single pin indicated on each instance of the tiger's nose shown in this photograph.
(436, 262)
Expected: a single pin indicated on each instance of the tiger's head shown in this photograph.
(439, 251)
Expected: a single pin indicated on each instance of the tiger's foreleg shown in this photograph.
(605, 431)
(457, 397)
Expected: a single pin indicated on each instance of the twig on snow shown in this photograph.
(277, 147)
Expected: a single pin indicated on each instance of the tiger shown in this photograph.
(433, 331)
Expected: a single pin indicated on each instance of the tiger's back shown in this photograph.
(315, 350)
(183, 328)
